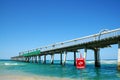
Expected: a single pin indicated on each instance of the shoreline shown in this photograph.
(29, 77)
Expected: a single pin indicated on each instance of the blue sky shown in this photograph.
(29, 24)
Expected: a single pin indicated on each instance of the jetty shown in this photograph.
(95, 42)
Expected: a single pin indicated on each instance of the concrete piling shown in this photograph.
(97, 57)
(118, 55)
(52, 58)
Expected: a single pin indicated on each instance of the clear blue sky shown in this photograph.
(29, 24)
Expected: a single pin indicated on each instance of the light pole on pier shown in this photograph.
(97, 50)
(103, 30)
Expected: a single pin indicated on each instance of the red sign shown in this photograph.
(80, 63)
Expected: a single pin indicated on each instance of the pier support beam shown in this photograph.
(61, 58)
(39, 60)
(97, 57)
(25, 59)
(44, 62)
(65, 55)
(85, 54)
(28, 59)
(119, 55)
(74, 58)
(32, 59)
(52, 58)
(35, 59)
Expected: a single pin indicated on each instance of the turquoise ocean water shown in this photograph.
(107, 71)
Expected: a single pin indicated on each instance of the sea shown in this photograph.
(14, 70)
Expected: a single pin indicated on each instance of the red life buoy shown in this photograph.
(80, 63)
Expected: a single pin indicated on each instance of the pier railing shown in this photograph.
(98, 36)
(95, 37)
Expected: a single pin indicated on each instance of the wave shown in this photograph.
(109, 61)
(92, 61)
(7, 64)
(103, 62)
(89, 62)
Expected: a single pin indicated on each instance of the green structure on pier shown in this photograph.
(33, 53)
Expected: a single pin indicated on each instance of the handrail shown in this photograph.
(94, 37)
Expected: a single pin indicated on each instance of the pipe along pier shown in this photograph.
(94, 42)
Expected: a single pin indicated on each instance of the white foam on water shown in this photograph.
(103, 62)
(93, 62)
(69, 62)
(7, 64)
(109, 61)
(89, 62)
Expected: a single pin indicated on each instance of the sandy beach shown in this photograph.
(22, 77)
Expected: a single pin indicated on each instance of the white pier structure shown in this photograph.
(95, 42)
